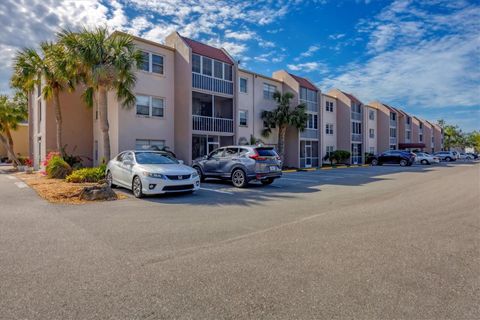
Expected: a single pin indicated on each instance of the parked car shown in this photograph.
(446, 155)
(150, 172)
(426, 158)
(456, 154)
(473, 156)
(240, 164)
(401, 157)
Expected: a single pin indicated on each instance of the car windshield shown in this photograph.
(266, 152)
(153, 158)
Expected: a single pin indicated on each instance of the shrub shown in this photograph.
(57, 168)
(340, 156)
(73, 161)
(87, 175)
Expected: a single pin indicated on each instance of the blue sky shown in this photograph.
(422, 56)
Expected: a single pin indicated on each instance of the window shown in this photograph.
(329, 128)
(216, 153)
(230, 152)
(329, 150)
(329, 106)
(372, 150)
(409, 135)
(421, 125)
(39, 115)
(420, 137)
(371, 114)
(196, 63)
(371, 133)
(243, 118)
(96, 150)
(206, 66)
(393, 147)
(356, 128)
(217, 69)
(243, 85)
(145, 144)
(227, 69)
(151, 63)
(393, 133)
(268, 91)
(312, 121)
(150, 106)
(356, 107)
(393, 116)
(408, 120)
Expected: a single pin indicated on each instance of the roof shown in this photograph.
(144, 40)
(390, 108)
(351, 97)
(304, 82)
(259, 75)
(208, 51)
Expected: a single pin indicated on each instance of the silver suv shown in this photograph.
(240, 164)
(446, 155)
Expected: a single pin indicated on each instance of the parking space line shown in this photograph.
(11, 178)
(219, 191)
(21, 185)
(301, 180)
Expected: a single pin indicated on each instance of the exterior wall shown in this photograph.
(328, 117)
(437, 131)
(182, 97)
(427, 136)
(343, 128)
(401, 127)
(20, 141)
(415, 130)
(370, 124)
(245, 102)
(383, 126)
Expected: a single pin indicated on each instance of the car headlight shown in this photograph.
(154, 175)
(194, 174)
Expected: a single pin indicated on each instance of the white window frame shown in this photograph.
(314, 121)
(150, 62)
(371, 114)
(150, 107)
(246, 118)
(270, 97)
(329, 130)
(329, 106)
(371, 133)
(149, 143)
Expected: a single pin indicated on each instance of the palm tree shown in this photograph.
(12, 112)
(51, 65)
(104, 62)
(282, 117)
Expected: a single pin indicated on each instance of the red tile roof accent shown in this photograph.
(207, 51)
(351, 97)
(304, 82)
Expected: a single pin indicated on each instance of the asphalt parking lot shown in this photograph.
(356, 243)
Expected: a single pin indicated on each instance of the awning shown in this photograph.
(411, 145)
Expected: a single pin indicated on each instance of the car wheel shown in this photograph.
(109, 180)
(374, 162)
(239, 179)
(424, 161)
(266, 182)
(403, 163)
(448, 159)
(137, 187)
(200, 174)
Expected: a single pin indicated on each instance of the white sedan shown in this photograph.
(426, 158)
(150, 172)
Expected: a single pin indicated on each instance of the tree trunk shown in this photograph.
(282, 129)
(104, 127)
(58, 118)
(9, 148)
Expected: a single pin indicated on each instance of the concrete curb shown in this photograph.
(325, 168)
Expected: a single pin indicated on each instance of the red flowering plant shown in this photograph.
(29, 162)
(48, 158)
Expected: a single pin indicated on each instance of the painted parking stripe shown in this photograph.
(11, 178)
(21, 185)
(301, 180)
(219, 191)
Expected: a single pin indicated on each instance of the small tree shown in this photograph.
(282, 117)
(12, 112)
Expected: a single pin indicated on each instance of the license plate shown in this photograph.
(273, 168)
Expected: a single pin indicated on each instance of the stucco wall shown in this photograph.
(328, 117)
(20, 138)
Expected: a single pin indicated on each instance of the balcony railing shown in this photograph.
(202, 123)
(310, 106)
(356, 116)
(357, 137)
(393, 140)
(200, 81)
(393, 123)
(309, 134)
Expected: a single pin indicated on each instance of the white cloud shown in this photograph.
(239, 35)
(316, 67)
(311, 50)
(336, 36)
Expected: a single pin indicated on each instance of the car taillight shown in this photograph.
(257, 157)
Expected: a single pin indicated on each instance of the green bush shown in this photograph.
(57, 168)
(87, 175)
(340, 156)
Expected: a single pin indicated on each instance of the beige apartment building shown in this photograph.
(193, 98)
(350, 124)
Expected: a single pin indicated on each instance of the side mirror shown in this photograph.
(128, 162)
(205, 157)
(180, 162)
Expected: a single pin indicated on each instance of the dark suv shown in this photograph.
(241, 164)
(403, 158)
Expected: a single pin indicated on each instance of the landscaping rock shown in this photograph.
(99, 192)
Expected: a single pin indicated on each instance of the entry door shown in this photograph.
(308, 154)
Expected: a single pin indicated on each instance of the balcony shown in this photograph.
(356, 116)
(393, 123)
(309, 134)
(212, 124)
(393, 140)
(203, 82)
(357, 137)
